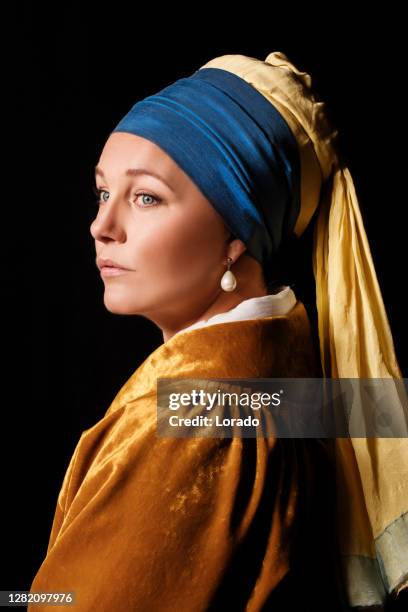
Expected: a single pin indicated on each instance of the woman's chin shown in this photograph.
(117, 304)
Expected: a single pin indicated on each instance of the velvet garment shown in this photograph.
(192, 524)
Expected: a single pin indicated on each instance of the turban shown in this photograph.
(256, 139)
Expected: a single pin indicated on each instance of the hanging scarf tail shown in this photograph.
(356, 342)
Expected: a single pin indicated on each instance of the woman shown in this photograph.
(201, 188)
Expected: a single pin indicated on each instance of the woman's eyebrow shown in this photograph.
(136, 172)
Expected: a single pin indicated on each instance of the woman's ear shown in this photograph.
(236, 248)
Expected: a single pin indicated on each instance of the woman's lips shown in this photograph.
(112, 271)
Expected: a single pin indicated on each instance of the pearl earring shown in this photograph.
(228, 281)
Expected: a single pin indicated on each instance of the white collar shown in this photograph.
(252, 308)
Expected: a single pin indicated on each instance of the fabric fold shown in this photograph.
(196, 523)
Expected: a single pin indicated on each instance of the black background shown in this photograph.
(75, 71)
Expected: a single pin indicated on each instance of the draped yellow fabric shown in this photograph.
(165, 524)
(354, 332)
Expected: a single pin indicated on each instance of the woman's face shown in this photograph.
(161, 228)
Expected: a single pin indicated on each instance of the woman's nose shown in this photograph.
(108, 224)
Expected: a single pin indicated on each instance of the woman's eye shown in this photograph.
(147, 199)
(100, 193)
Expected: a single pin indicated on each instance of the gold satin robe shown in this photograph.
(190, 524)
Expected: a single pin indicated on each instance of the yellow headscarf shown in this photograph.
(354, 333)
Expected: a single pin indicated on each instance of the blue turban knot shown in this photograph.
(235, 146)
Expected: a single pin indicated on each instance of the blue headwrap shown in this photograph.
(235, 146)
